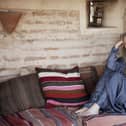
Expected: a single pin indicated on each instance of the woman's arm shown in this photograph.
(112, 62)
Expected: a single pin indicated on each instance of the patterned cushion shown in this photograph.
(62, 87)
(19, 94)
(41, 117)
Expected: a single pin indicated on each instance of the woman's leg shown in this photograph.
(100, 87)
(98, 91)
(107, 99)
(114, 89)
(94, 109)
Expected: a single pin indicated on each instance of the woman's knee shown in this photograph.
(115, 80)
(117, 76)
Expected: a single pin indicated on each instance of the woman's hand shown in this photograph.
(119, 44)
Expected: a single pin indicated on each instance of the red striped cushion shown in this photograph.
(62, 87)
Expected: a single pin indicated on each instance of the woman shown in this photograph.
(110, 92)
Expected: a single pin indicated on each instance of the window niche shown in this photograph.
(95, 13)
(100, 13)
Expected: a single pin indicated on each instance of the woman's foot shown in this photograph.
(81, 110)
(93, 110)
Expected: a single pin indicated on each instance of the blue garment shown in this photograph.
(110, 92)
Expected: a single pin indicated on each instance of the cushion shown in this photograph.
(19, 94)
(62, 87)
(90, 76)
(105, 120)
(57, 116)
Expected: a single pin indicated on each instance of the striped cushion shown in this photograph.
(57, 116)
(62, 87)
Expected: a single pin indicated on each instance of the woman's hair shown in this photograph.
(122, 50)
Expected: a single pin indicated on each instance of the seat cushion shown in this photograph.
(105, 120)
(40, 117)
(62, 87)
(19, 94)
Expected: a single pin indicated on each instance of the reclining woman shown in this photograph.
(110, 93)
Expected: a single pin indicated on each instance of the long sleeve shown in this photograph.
(112, 62)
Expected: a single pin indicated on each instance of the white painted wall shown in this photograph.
(113, 15)
(40, 4)
(113, 11)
